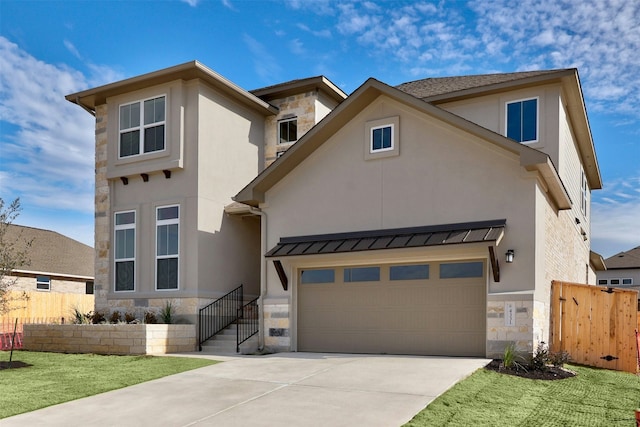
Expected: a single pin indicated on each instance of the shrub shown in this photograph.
(539, 359)
(97, 318)
(115, 317)
(511, 359)
(150, 318)
(129, 317)
(559, 358)
(80, 318)
(166, 314)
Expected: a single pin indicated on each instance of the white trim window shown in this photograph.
(167, 247)
(288, 131)
(125, 251)
(522, 120)
(43, 283)
(381, 138)
(142, 127)
(584, 192)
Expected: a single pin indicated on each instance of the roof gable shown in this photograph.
(531, 159)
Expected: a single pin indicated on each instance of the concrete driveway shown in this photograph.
(287, 389)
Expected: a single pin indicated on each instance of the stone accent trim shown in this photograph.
(110, 339)
(277, 324)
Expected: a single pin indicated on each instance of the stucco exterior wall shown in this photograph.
(440, 176)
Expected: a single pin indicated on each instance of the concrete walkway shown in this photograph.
(285, 389)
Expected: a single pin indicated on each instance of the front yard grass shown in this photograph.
(55, 378)
(595, 397)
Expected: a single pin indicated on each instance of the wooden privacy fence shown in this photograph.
(43, 307)
(595, 325)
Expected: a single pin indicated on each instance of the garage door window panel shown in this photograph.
(409, 272)
(317, 276)
(362, 274)
(459, 270)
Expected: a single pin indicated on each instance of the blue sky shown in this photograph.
(52, 48)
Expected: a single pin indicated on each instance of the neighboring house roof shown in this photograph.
(91, 98)
(295, 87)
(624, 260)
(436, 235)
(52, 253)
(530, 159)
(447, 89)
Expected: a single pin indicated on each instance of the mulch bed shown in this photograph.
(550, 373)
(15, 364)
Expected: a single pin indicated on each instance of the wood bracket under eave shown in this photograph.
(281, 274)
(495, 265)
(145, 177)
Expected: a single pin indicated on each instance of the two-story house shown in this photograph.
(622, 271)
(428, 218)
(172, 148)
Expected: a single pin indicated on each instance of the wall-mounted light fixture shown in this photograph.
(509, 256)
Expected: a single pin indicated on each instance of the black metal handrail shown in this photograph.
(221, 313)
(248, 322)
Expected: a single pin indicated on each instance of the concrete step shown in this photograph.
(225, 343)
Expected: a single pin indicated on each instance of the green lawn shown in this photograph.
(55, 378)
(595, 397)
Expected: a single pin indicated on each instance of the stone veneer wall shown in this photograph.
(301, 106)
(110, 339)
(499, 335)
(277, 326)
(102, 217)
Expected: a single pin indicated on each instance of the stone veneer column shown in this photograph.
(277, 325)
(102, 213)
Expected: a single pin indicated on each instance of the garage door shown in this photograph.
(422, 309)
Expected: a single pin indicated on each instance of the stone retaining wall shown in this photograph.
(110, 339)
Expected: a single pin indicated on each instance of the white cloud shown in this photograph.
(297, 47)
(265, 63)
(225, 3)
(192, 3)
(48, 160)
(71, 48)
(615, 217)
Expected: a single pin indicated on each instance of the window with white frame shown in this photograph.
(381, 138)
(43, 283)
(584, 193)
(167, 247)
(125, 251)
(522, 120)
(142, 127)
(287, 131)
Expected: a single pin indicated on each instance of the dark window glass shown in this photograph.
(154, 139)
(461, 270)
(167, 273)
(124, 276)
(125, 243)
(167, 239)
(170, 212)
(381, 138)
(409, 272)
(125, 218)
(627, 281)
(130, 143)
(130, 116)
(154, 110)
(288, 131)
(602, 282)
(89, 288)
(43, 283)
(522, 120)
(615, 281)
(362, 274)
(318, 276)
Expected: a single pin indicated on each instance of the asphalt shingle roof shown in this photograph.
(430, 87)
(52, 252)
(628, 259)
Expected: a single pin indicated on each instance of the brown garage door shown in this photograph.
(426, 309)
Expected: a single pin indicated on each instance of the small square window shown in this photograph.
(89, 288)
(627, 282)
(603, 282)
(287, 131)
(43, 283)
(615, 281)
(381, 138)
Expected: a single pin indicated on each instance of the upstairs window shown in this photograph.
(142, 127)
(287, 131)
(522, 120)
(43, 283)
(125, 251)
(381, 138)
(584, 193)
(167, 247)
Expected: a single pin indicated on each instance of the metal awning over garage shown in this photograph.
(433, 235)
